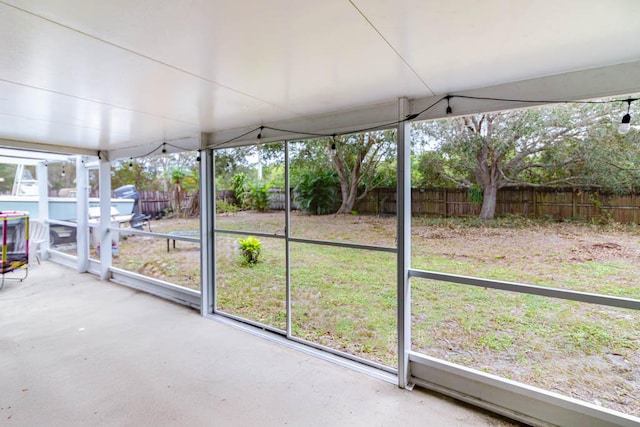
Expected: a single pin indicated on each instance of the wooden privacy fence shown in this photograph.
(556, 203)
(159, 203)
(277, 198)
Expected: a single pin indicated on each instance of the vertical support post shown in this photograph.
(207, 237)
(105, 219)
(43, 204)
(287, 233)
(82, 214)
(404, 242)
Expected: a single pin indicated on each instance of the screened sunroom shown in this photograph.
(315, 132)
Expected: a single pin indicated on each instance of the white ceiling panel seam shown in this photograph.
(393, 48)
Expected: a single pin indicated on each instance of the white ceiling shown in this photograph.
(126, 75)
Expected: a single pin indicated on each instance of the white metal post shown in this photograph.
(404, 242)
(82, 212)
(43, 204)
(207, 242)
(105, 219)
(287, 235)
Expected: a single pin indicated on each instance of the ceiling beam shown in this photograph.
(610, 81)
(45, 148)
(178, 145)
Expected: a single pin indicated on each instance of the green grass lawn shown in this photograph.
(340, 298)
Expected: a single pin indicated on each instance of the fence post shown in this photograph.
(446, 203)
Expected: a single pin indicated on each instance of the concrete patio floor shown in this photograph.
(78, 351)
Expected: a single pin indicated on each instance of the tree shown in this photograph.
(356, 158)
(248, 161)
(7, 176)
(177, 174)
(361, 161)
(611, 164)
(154, 173)
(132, 172)
(229, 163)
(308, 157)
(428, 170)
(514, 148)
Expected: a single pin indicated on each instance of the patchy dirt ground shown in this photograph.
(580, 350)
(584, 351)
(572, 256)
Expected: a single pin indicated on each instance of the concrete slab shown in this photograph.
(78, 351)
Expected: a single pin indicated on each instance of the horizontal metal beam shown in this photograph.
(565, 294)
(176, 145)
(345, 245)
(45, 148)
(94, 267)
(515, 400)
(611, 81)
(156, 287)
(130, 231)
(65, 223)
(249, 233)
(311, 241)
(303, 128)
(61, 258)
(620, 79)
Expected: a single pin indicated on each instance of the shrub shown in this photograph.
(239, 186)
(317, 192)
(259, 197)
(250, 248)
(476, 195)
(222, 206)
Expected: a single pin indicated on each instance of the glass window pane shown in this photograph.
(345, 299)
(254, 291)
(250, 188)
(585, 351)
(167, 188)
(572, 256)
(176, 262)
(353, 176)
(524, 196)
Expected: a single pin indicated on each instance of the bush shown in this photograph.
(222, 206)
(259, 197)
(317, 192)
(250, 248)
(239, 186)
(476, 195)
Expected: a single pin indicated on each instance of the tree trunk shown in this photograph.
(355, 160)
(489, 197)
(349, 193)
